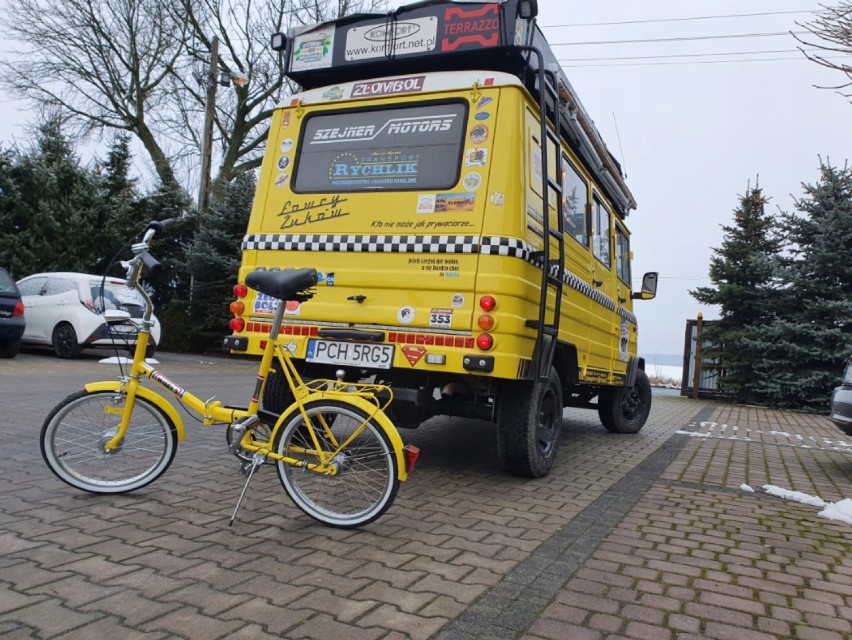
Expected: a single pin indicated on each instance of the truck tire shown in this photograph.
(623, 409)
(529, 423)
(276, 393)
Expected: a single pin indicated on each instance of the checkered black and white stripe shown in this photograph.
(488, 245)
(361, 243)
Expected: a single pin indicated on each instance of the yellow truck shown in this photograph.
(467, 222)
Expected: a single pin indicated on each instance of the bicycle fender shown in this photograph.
(370, 409)
(154, 398)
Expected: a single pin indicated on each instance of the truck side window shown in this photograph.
(600, 224)
(575, 196)
(622, 255)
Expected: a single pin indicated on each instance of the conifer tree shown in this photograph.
(743, 272)
(806, 346)
(57, 225)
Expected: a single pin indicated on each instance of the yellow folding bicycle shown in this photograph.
(338, 455)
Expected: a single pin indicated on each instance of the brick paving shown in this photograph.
(645, 536)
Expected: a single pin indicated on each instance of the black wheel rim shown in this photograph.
(632, 404)
(549, 417)
(66, 341)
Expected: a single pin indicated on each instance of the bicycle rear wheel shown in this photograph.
(75, 432)
(366, 481)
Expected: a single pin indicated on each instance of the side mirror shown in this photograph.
(278, 42)
(649, 287)
(527, 9)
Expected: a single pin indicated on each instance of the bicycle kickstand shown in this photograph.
(256, 461)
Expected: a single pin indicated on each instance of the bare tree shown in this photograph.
(132, 65)
(833, 30)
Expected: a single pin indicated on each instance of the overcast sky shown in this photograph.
(692, 136)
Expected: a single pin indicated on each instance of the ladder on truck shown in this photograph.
(552, 266)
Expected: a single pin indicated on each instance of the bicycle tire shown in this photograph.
(73, 436)
(367, 480)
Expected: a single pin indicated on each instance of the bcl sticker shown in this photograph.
(441, 318)
(405, 315)
(265, 304)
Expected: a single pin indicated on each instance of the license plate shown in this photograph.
(122, 328)
(375, 356)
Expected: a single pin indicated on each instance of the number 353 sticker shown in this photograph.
(441, 318)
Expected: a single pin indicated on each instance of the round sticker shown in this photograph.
(479, 134)
(472, 181)
(281, 179)
(286, 144)
(405, 315)
(283, 162)
(458, 300)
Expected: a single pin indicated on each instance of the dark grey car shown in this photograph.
(841, 402)
(11, 316)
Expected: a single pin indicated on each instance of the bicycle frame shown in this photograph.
(363, 396)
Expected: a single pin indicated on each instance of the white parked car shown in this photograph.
(65, 310)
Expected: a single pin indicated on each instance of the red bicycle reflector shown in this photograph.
(411, 454)
(237, 324)
(240, 290)
(487, 303)
(485, 342)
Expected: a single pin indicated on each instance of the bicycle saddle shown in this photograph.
(289, 284)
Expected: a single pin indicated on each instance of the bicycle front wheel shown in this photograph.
(75, 432)
(365, 481)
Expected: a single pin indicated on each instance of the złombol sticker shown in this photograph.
(283, 162)
(405, 315)
(472, 181)
(287, 144)
(281, 179)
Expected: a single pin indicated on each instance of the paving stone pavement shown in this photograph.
(644, 536)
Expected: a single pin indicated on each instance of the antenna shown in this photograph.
(620, 148)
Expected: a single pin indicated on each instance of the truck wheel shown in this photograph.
(529, 422)
(624, 410)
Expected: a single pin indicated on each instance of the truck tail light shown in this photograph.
(237, 324)
(487, 303)
(485, 341)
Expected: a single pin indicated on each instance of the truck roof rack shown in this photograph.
(446, 35)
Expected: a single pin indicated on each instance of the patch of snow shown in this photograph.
(124, 360)
(745, 487)
(838, 511)
(796, 496)
(694, 434)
